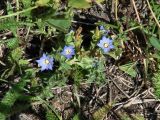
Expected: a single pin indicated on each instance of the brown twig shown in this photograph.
(149, 6)
(135, 8)
(120, 89)
(6, 34)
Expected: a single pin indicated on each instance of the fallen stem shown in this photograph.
(135, 8)
(149, 6)
(19, 12)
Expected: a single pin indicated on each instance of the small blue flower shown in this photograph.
(68, 51)
(45, 62)
(106, 44)
(103, 29)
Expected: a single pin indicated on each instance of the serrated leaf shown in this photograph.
(8, 23)
(10, 97)
(79, 3)
(17, 53)
(128, 68)
(12, 43)
(155, 42)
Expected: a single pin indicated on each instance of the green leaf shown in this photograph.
(10, 98)
(42, 2)
(60, 24)
(99, 1)
(128, 68)
(69, 37)
(2, 116)
(12, 43)
(50, 115)
(116, 53)
(156, 55)
(65, 67)
(26, 3)
(8, 23)
(138, 117)
(86, 63)
(23, 62)
(101, 112)
(79, 4)
(17, 53)
(155, 42)
(156, 82)
(76, 117)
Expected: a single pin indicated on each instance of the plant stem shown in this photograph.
(19, 12)
(154, 16)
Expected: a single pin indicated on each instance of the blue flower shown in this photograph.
(103, 29)
(45, 62)
(68, 51)
(106, 44)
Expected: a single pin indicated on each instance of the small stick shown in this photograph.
(116, 11)
(120, 89)
(153, 14)
(6, 34)
(135, 8)
(17, 6)
(42, 45)
(137, 101)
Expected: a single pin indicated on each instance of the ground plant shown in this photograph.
(79, 59)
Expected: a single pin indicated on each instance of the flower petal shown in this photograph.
(107, 41)
(71, 51)
(45, 65)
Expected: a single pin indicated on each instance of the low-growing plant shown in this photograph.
(44, 50)
(68, 61)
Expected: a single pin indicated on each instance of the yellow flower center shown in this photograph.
(105, 45)
(46, 61)
(68, 51)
